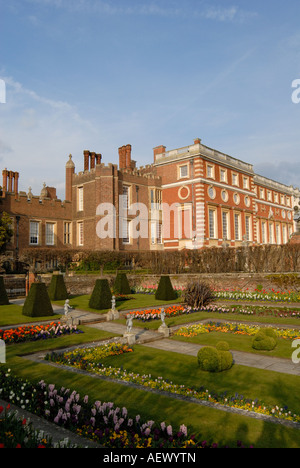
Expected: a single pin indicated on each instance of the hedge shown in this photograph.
(57, 289)
(37, 303)
(101, 296)
(165, 291)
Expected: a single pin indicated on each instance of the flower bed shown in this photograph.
(88, 358)
(19, 433)
(160, 384)
(36, 332)
(233, 294)
(154, 314)
(258, 295)
(99, 421)
(237, 329)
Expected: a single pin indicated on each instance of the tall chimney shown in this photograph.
(70, 170)
(86, 154)
(93, 160)
(4, 184)
(128, 156)
(158, 150)
(122, 157)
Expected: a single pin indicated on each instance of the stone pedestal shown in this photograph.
(130, 337)
(165, 330)
(112, 315)
(69, 320)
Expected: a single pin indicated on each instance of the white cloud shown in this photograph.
(39, 134)
(212, 12)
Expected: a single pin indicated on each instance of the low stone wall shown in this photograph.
(15, 285)
(84, 284)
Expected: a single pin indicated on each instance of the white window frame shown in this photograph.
(263, 232)
(80, 233)
(126, 196)
(212, 223)
(224, 177)
(210, 171)
(50, 234)
(246, 182)
(67, 233)
(182, 175)
(248, 228)
(126, 228)
(34, 234)
(237, 226)
(80, 198)
(225, 225)
(271, 233)
(235, 179)
(278, 233)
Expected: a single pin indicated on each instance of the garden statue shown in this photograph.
(164, 328)
(113, 303)
(67, 307)
(129, 323)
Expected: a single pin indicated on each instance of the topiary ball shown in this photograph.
(263, 342)
(222, 346)
(209, 359)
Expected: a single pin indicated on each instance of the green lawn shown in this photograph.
(137, 301)
(239, 343)
(206, 423)
(12, 315)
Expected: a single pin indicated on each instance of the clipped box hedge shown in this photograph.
(101, 296)
(37, 303)
(57, 289)
(165, 291)
(121, 285)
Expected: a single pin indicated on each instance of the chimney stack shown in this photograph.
(128, 156)
(122, 157)
(86, 154)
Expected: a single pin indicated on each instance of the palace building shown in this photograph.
(187, 198)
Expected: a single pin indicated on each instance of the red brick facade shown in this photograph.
(194, 197)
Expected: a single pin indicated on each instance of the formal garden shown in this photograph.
(91, 381)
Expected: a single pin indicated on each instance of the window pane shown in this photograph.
(80, 233)
(211, 224)
(49, 234)
(183, 171)
(80, 199)
(34, 232)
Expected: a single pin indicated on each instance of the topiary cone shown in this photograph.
(101, 296)
(57, 289)
(37, 303)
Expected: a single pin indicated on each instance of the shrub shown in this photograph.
(57, 290)
(216, 359)
(101, 296)
(37, 303)
(3, 294)
(121, 285)
(209, 359)
(198, 294)
(222, 346)
(265, 339)
(165, 291)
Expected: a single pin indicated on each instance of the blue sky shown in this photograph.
(93, 74)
